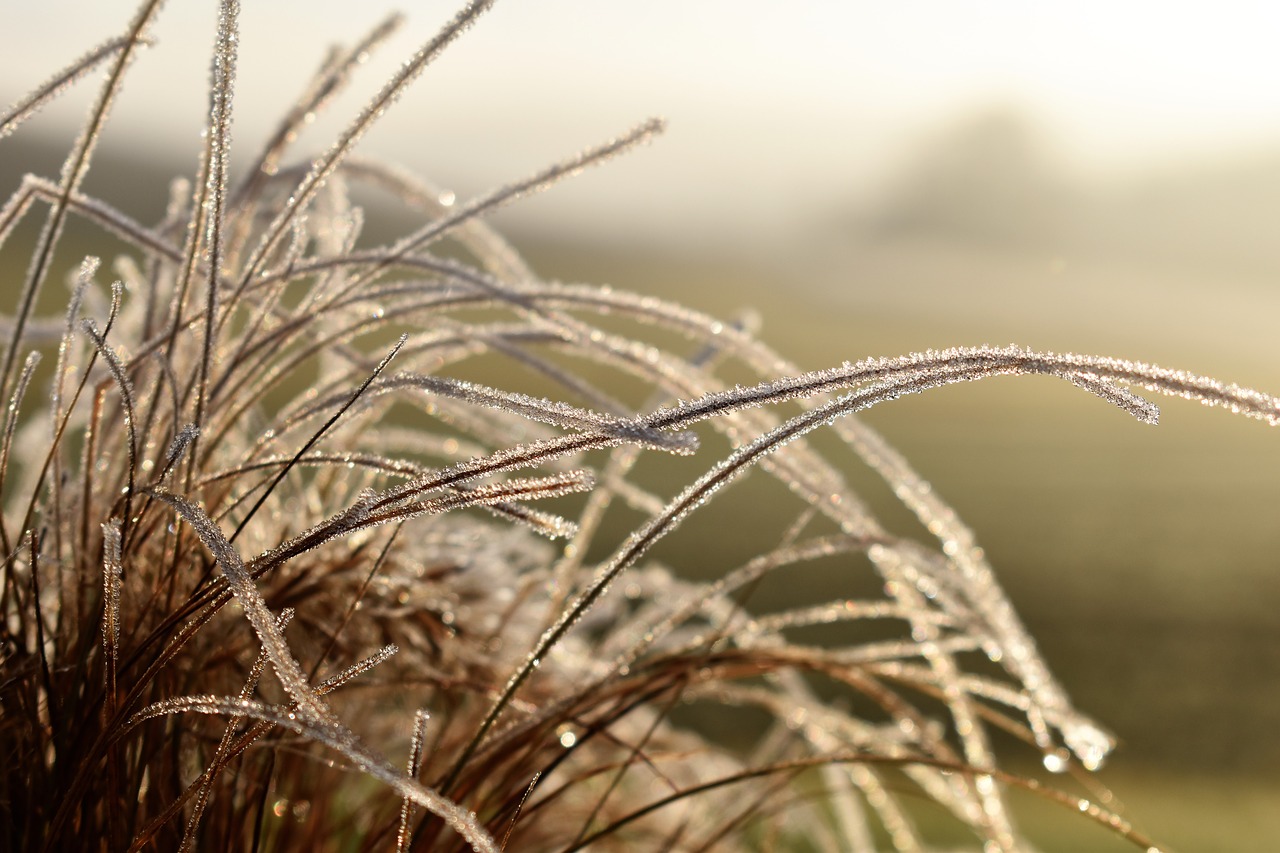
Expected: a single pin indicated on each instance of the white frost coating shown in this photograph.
(412, 766)
(204, 785)
(11, 413)
(56, 85)
(370, 512)
(314, 718)
(112, 570)
(179, 446)
(462, 821)
(1095, 374)
(1140, 407)
(539, 409)
(88, 267)
(541, 180)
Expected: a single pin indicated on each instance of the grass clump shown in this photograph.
(259, 533)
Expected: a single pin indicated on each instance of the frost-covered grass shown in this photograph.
(256, 453)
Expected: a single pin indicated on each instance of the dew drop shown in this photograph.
(1056, 762)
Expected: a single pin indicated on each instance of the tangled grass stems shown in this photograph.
(205, 473)
(1106, 818)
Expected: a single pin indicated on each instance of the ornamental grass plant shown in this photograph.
(279, 575)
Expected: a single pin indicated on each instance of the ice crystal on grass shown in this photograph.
(411, 769)
(184, 487)
(56, 85)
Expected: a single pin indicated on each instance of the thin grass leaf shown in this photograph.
(10, 424)
(492, 250)
(213, 199)
(551, 412)
(125, 387)
(313, 717)
(177, 448)
(204, 785)
(32, 103)
(638, 135)
(511, 826)
(112, 581)
(412, 766)
(332, 78)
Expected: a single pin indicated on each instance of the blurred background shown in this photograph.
(876, 179)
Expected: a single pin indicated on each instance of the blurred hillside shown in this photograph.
(993, 181)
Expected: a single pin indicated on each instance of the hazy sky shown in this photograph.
(774, 107)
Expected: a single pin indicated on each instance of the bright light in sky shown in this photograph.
(771, 105)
